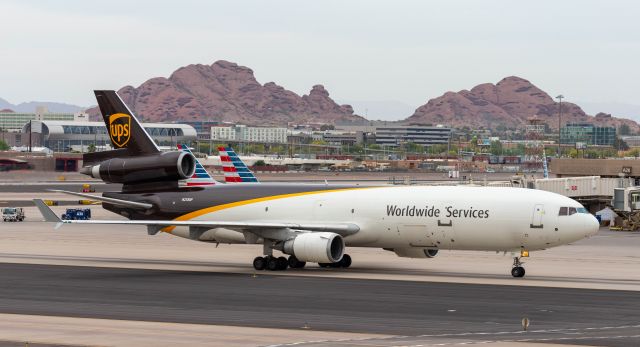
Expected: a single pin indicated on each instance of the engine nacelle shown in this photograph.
(415, 252)
(167, 166)
(320, 247)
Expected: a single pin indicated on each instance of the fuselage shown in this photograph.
(393, 217)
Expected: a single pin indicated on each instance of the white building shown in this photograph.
(249, 134)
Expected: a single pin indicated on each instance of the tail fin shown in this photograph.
(124, 129)
(201, 177)
(234, 169)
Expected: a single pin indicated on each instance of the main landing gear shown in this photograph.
(517, 270)
(269, 262)
(345, 262)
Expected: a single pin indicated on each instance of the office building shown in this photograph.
(421, 135)
(587, 134)
(243, 133)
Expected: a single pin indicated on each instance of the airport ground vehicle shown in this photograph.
(76, 214)
(87, 188)
(12, 214)
(315, 223)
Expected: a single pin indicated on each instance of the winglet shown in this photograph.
(47, 213)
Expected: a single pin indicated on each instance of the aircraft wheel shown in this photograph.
(282, 263)
(324, 264)
(259, 263)
(272, 264)
(517, 271)
(345, 262)
(294, 263)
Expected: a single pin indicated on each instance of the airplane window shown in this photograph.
(563, 211)
(572, 210)
(582, 210)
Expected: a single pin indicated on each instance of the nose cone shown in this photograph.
(591, 225)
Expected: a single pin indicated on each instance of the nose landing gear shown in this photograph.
(517, 270)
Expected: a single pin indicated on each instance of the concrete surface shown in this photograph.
(111, 271)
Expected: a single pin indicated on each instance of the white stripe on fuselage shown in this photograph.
(465, 218)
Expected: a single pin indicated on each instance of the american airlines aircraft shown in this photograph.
(315, 223)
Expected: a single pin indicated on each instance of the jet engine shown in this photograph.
(415, 252)
(320, 247)
(168, 166)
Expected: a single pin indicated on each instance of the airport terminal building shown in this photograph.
(66, 136)
(421, 135)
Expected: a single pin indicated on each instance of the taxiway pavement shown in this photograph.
(579, 294)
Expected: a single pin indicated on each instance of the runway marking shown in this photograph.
(541, 339)
(524, 340)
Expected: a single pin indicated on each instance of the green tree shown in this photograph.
(325, 127)
(4, 146)
(374, 146)
(624, 129)
(260, 163)
(573, 153)
(550, 151)
(91, 148)
(413, 147)
(633, 153)
(496, 148)
(620, 145)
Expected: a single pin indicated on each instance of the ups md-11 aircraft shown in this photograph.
(315, 223)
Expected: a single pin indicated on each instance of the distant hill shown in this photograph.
(226, 91)
(387, 110)
(510, 102)
(30, 107)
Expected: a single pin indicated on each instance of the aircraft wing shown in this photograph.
(118, 202)
(257, 227)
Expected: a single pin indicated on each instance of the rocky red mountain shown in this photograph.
(225, 91)
(510, 102)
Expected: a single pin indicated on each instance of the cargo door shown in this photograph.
(417, 235)
(444, 234)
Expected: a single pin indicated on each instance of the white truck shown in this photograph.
(13, 214)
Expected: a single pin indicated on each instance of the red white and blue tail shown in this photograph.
(200, 177)
(235, 171)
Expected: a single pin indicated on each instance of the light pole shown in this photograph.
(559, 97)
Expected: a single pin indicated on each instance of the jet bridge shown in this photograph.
(594, 192)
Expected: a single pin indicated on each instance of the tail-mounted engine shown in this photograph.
(161, 167)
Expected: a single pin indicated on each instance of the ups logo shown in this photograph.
(120, 129)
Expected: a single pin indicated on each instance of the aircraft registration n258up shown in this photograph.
(315, 223)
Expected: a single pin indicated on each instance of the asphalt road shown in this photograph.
(441, 311)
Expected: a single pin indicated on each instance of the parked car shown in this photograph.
(13, 214)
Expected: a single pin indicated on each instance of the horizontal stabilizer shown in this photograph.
(118, 202)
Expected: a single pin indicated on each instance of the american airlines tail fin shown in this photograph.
(234, 169)
(200, 177)
(124, 129)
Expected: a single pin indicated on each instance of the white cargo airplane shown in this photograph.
(314, 223)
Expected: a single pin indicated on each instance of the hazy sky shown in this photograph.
(406, 51)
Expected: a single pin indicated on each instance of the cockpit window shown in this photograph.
(568, 211)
